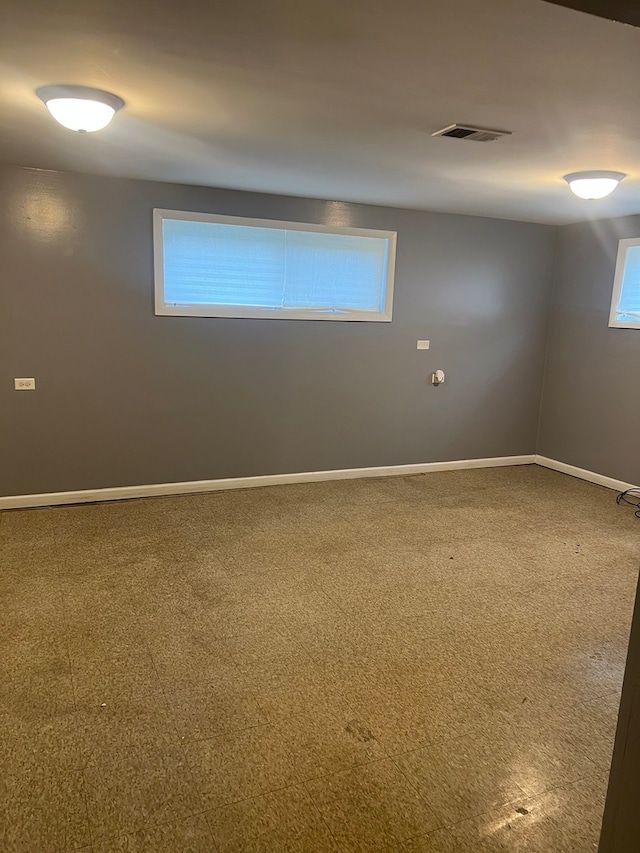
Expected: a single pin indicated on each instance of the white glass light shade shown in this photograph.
(82, 115)
(593, 185)
(80, 108)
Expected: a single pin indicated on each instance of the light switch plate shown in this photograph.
(423, 345)
(24, 384)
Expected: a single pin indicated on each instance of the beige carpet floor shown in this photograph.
(428, 663)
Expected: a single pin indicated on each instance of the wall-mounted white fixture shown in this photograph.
(80, 108)
(422, 345)
(437, 378)
(593, 185)
(24, 384)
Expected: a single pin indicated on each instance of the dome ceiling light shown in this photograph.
(80, 108)
(593, 185)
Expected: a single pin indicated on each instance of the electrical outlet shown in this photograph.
(422, 345)
(24, 384)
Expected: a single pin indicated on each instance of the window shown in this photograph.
(625, 305)
(225, 266)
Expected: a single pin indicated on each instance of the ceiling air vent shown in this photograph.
(473, 134)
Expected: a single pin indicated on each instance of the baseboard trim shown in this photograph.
(583, 474)
(198, 486)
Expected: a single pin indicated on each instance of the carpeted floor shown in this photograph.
(428, 663)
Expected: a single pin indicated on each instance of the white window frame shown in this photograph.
(623, 247)
(248, 312)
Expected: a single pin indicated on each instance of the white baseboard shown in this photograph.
(583, 474)
(198, 486)
(123, 492)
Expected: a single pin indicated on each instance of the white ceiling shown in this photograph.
(336, 98)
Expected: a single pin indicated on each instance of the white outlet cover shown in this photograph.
(24, 384)
(423, 345)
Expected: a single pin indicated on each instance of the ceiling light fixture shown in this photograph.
(593, 185)
(80, 108)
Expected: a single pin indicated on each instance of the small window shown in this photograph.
(226, 266)
(625, 305)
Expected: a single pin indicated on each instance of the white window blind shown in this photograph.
(221, 266)
(625, 305)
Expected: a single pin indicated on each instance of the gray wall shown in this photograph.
(124, 397)
(591, 401)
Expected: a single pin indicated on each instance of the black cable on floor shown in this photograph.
(624, 498)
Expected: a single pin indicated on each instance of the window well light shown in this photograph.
(80, 108)
(593, 185)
